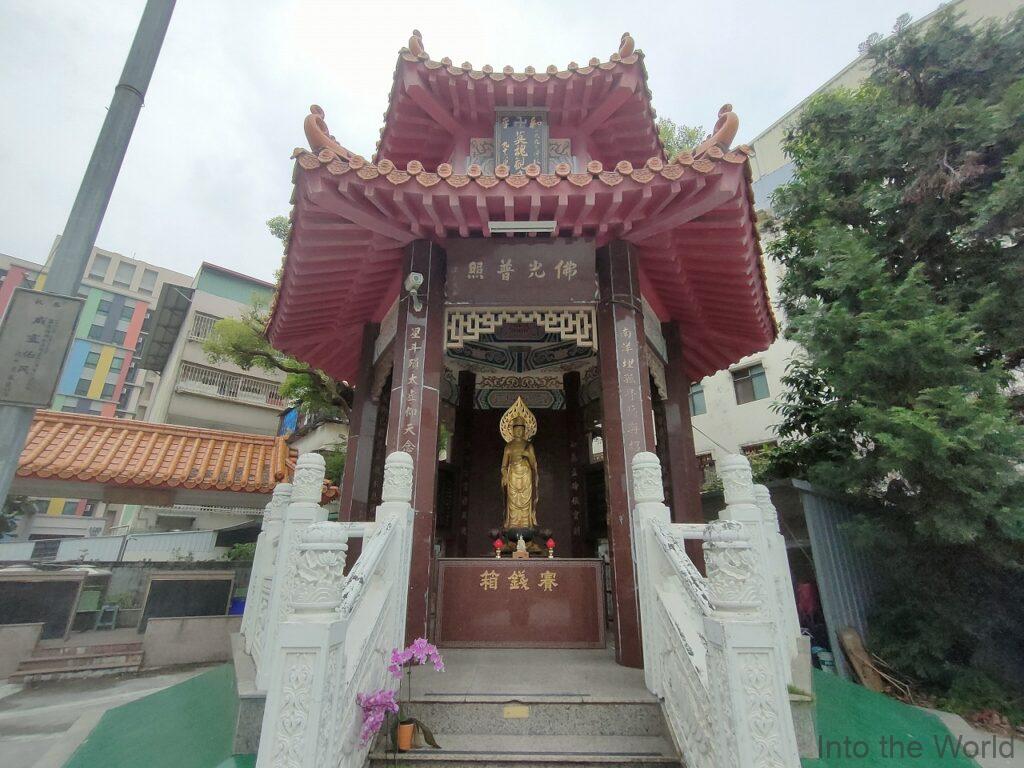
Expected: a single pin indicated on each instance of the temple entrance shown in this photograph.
(557, 331)
(471, 500)
(520, 552)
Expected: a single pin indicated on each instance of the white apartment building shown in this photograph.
(192, 391)
(732, 410)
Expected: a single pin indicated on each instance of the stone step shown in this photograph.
(506, 751)
(81, 661)
(512, 718)
(35, 670)
(80, 650)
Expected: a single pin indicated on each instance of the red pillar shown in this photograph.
(681, 456)
(462, 457)
(355, 485)
(627, 427)
(414, 411)
(578, 459)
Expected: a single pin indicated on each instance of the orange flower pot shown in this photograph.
(406, 731)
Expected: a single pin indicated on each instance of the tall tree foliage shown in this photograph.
(901, 238)
(242, 341)
(676, 137)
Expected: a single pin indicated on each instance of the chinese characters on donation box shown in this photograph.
(518, 580)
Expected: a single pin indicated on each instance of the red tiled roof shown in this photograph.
(690, 220)
(433, 101)
(137, 454)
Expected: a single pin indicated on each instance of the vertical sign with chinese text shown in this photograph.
(520, 139)
(35, 336)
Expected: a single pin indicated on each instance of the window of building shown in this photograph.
(119, 337)
(706, 462)
(148, 281)
(95, 331)
(108, 391)
(82, 388)
(100, 265)
(69, 508)
(697, 404)
(92, 359)
(125, 273)
(116, 363)
(45, 549)
(202, 324)
(750, 384)
(103, 307)
(127, 312)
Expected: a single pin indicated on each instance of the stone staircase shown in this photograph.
(68, 662)
(562, 731)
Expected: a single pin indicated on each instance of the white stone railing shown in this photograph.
(716, 649)
(320, 637)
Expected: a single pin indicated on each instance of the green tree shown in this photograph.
(900, 235)
(242, 341)
(15, 507)
(677, 138)
(280, 227)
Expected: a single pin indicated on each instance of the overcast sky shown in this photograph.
(209, 161)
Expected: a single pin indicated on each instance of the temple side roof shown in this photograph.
(138, 455)
(691, 221)
(434, 103)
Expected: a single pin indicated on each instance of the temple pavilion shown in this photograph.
(520, 261)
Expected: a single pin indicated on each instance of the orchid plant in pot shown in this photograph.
(380, 706)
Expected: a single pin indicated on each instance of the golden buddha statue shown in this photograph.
(519, 467)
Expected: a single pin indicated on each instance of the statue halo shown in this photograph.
(518, 413)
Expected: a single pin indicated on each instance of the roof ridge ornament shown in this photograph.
(416, 45)
(626, 45)
(318, 135)
(723, 133)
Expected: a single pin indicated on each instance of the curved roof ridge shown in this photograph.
(338, 161)
(626, 55)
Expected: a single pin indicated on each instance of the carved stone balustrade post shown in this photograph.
(650, 509)
(261, 577)
(785, 597)
(303, 510)
(304, 705)
(396, 500)
(746, 674)
(742, 506)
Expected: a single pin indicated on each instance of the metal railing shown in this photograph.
(174, 545)
(200, 380)
(202, 324)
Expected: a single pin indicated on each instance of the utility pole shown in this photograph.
(75, 247)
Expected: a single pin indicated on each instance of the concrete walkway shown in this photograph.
(987, 749)
(41, 726)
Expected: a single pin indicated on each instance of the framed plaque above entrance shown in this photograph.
(486, 273)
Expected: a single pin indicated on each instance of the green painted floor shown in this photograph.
(189, 725)
(868, 730)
